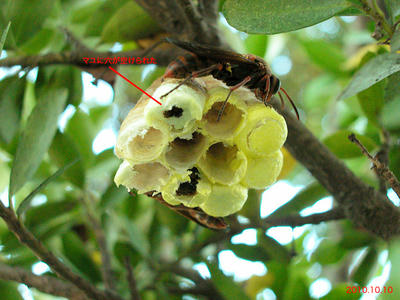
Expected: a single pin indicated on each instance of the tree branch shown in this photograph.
(76, 58)
(363, 205)
(106, 269)
(28, 239)
(336, 213)
(381, 169)
(46, 284)
(131, 280)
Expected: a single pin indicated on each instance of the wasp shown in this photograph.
(234, 69)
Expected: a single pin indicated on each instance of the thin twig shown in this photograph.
(106, 269)
(381, 168)
(46, 284)
(131, 280)
(28, 239)
(377, 15)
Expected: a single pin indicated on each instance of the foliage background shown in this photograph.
(93, 226)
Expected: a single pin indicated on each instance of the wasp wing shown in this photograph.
(214, 53)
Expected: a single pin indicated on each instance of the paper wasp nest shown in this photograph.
(181, 150)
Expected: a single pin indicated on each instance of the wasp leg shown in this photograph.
(233, 88)
(200, 73)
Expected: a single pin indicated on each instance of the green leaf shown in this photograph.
(328, 252)
(306, 197)
(75, 251)
(393, 7)
(276, 16)
(342, 147)
(390, 120)
(372, 72)
(394, 279)
(81, 130)
(9, 290)
(137, 238)
(252, 253)
(4, 36)
(62, 151)
(392, 89)
(99, 18)
(272, 248)
(39, 41)
(123, 250)
(353, 238)
(36, 137)
(296, 288)
(120, 27)
(395, 42)
(256, 44)
(11, 100)
(25, 204)
(325, 54)
(371, 101)
(225, 285)
(363, 272)
(27, 17)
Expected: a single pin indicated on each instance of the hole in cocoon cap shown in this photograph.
(173, 112)
(188, 188)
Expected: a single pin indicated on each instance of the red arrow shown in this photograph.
(116, 72)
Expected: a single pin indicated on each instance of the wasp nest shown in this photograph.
(181, 150)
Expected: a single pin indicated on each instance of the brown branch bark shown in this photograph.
(28, 239)
(46, 284)
(76, 58)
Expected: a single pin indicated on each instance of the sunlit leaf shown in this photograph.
(4, 36)
(36, 137)
(275, 16)
(372, 72)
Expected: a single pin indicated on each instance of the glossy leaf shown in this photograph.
(372, 72)
(342, 147)
(225, 285)
(36, 137)
(275, 16)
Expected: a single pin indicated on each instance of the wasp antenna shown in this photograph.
(155, 45)
(291, 102)
(282, 102)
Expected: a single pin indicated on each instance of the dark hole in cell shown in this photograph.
(189, 188)
(173, 112)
